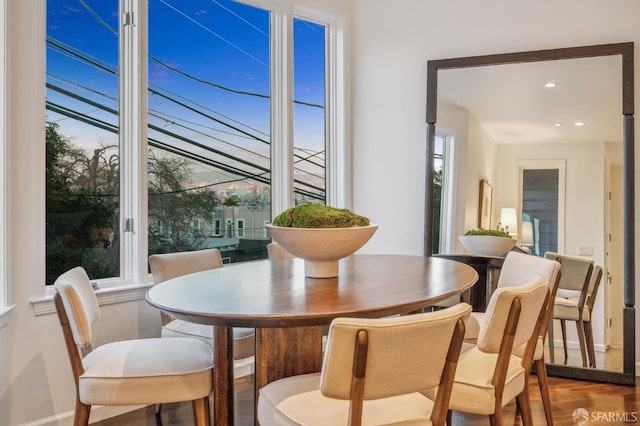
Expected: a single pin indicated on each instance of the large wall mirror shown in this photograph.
(538, 139)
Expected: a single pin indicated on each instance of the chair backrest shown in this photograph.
(533, 296)
(405, 354)
(594, 284)
(80, 304)
(276, 252)
(576, 273)
(171, 265)
(518, 268)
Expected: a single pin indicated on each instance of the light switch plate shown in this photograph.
(585, 251)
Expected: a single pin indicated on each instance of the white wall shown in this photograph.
(393, 42)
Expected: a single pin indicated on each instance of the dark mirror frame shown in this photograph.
(625, 50)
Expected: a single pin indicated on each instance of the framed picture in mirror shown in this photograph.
(484, 205)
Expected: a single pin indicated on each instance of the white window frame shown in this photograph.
(133, 135)
(447, 224)
(228, 228)
(240, 229)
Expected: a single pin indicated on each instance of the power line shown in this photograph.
(207, 82)
(98, 18)
(178, 151)
(240, 17)
(190, 141)
(81, 56)
(215, 34)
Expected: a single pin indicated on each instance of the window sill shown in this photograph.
(106, 296)
(5, 315)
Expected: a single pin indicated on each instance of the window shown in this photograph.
(309, 111)
(154, 156)
(82, 143)
(443, 197)
(438, 173)
(240, 228)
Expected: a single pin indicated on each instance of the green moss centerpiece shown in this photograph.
(321, 235)
(487, 242)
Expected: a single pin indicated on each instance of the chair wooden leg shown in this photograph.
(563, 327)
(588, 332)
(541, 372)
(552, 342)
(525, 407)
(81, 417)
(582, 340)
(449, 418)
(495, 419)
(201, 411)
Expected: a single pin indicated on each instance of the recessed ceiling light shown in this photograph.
(558, 124)
(579, 123)
(549, 85)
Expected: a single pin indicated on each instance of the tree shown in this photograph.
(180, 217)
(232, 200)
(82, 218)
(83, 207)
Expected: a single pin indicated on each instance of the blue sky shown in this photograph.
(212, 56)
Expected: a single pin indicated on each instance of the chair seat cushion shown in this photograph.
(147, 371)
(567, 309)
(243, 338)
(472, 389)
(297, 400)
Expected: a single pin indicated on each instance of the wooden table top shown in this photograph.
(277, 294)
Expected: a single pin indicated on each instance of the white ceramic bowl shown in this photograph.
(321, 248)
(487, 245)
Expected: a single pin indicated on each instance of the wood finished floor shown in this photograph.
(566, 396)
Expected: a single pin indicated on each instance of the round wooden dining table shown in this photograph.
(289, 311)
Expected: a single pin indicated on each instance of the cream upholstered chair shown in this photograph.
(489, 375)
(578, 309)
(171, 265)
(373, 372)
(516, 270)
(130, 372)
(573, 285)
(276, 252)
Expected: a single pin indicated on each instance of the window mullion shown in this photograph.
(338, 181)
(281, 111)
(133, 140)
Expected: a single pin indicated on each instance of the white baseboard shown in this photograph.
(573, 344)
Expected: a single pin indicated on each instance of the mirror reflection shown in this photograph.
(547, 137)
